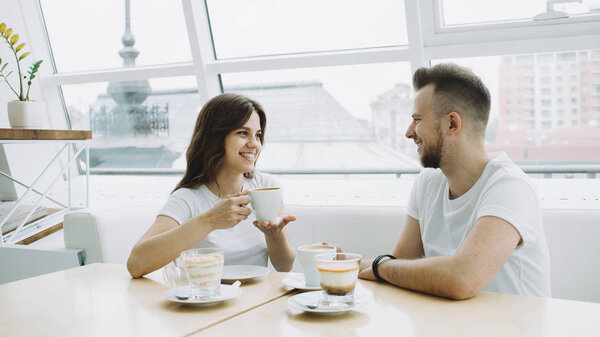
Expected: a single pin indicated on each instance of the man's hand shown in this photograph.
(338, 248)
(365, 263)
(366, 272)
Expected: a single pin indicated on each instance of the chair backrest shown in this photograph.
(368, 231)
(572, 237)
(18, 262)
(108, 235)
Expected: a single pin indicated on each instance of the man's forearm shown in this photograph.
(439, 275)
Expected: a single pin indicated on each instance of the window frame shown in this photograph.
(427, 40)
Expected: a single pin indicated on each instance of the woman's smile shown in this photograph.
(248, 156)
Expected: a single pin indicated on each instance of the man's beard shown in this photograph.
(432, 155)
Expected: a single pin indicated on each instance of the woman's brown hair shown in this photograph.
(206, 152)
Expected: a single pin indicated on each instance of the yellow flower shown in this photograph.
(7, 33)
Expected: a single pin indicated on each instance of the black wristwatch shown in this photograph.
(375, 265)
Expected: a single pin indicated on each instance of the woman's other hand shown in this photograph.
(274, 227)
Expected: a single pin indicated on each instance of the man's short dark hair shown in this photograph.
(456, 89)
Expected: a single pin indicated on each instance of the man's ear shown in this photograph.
(454, 123)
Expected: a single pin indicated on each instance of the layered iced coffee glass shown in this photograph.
(204, 267)
(338, 273)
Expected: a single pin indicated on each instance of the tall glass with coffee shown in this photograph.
(204, 267)
(338, 273)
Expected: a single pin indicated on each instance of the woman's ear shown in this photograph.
(454, 123)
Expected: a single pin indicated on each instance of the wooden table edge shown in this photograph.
(287, 293)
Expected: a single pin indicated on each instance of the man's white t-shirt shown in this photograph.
(503, 191)
(243, 243)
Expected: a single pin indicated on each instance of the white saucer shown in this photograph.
(296, 280)
(227, 292)
(242, 272)
(301, 301)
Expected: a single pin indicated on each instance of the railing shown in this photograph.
(592, 171)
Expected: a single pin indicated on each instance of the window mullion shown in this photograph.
(199, 36)
(416, 23)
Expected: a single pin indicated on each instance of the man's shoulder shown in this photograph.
(430, 176)
(504, 168)
(428, 182)
(507, 173)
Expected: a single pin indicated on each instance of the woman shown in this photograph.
(207, 208)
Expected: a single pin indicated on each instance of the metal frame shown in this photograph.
(71, 147)
(547, 170)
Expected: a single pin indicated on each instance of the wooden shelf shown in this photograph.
(49, 211)
(33, 134)
(42, 234)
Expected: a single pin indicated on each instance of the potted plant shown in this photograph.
(23, 112)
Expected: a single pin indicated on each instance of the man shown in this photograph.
(473, 221)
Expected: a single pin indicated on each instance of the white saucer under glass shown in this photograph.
(311, 302)
(181, 295)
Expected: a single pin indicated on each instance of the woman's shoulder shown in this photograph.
(183, 191)
(261, 179)
(187, 193)
(195, 198)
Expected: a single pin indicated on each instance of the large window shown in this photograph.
(463, 12)
(527, 118)
(243, 28)
(152, 134)
(334, 76)
(87, 35)
(333, 118)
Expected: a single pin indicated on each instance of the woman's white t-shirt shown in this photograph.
(242, 243)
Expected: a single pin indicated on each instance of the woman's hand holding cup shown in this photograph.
(229, 211)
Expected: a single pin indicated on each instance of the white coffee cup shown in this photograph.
(306, 258)
(266, 203)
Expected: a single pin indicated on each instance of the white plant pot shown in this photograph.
(27, 115)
